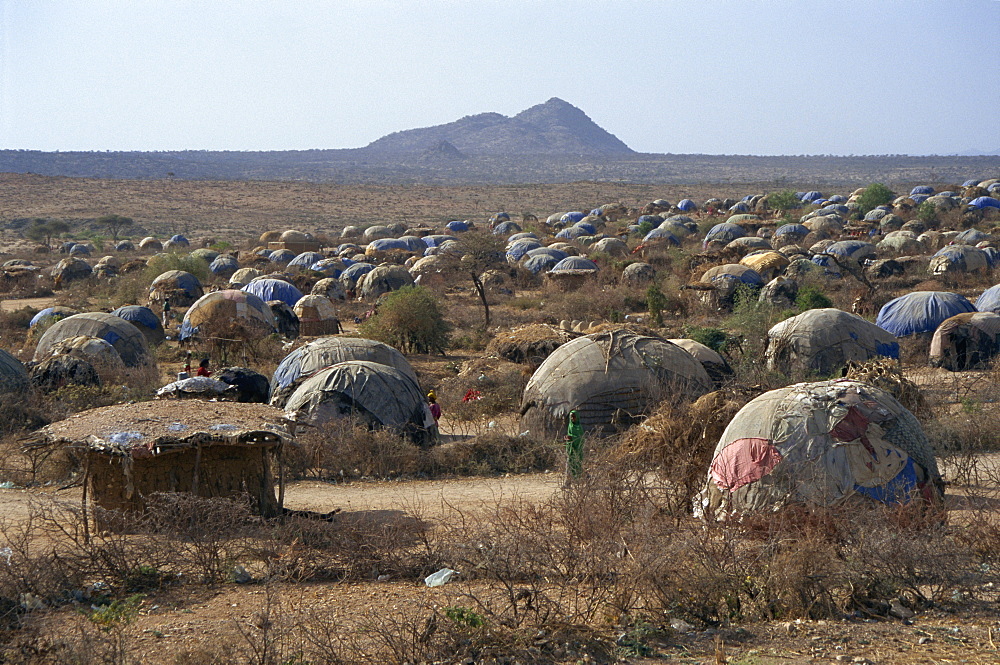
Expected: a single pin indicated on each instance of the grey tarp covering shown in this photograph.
(966, 341)
(13, 375)
(820, 444)
(325, 351)
(612, 378)
(822, 341)
(128, 341)
(716, 366)
(384, 279)
(958, 258)
(376, 393)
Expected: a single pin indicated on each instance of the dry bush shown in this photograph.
(345, 448)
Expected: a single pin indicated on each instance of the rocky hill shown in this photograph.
(553, 128)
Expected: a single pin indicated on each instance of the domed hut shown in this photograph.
(285, 319)
(51, 315)
(132, 451)
(145, 320)
(572, 272)
(378, 395)
(966, 341)
(13, 375)
(353, 274)
(920, 312)
(71, 270)
(329, 288)
(126, 338)
(820, 444)
(715, 365)
(244, 276)
(383, 279)
(228, 313)
(958, 259)
(268, 289)
(325, 351)
(988, 300)
(150, 244)
(611, 379)
(181, 287)
(224, 266)
(823, 341)
(317, 316)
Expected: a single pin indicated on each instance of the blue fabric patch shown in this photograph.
(890, 350)
(896, 491)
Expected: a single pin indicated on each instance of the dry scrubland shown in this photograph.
(614, 569)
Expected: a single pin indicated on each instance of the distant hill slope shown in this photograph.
(553, 128)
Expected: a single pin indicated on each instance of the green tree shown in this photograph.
(43, 230)
(410, 319)
(875, 194)
(783, 201)
(927, 213)
(655, 303)
(115, 224)
(480, 252)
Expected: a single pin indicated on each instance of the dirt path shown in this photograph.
(21, 303)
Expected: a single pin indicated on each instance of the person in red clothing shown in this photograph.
(203, 369)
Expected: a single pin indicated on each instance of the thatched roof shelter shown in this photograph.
(210, 449)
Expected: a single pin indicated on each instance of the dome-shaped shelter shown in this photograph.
(767, 264)
(384, 279)
(724, 233)
(227, 313)
(285, 319)
(305, 260)
(638, 273)
(612, 379)
(224, 266)
(94, 351)
(377, 394)
(274, 289)
(966, 341)
(920, 312)
(353, 274)
(611, 246)
(13, 375)
(51, 315)
(820, 444)
(317, 316)
(325, 351)
(244, 276)
(150, 244)
(70, 270)
(329, 288)
(145, 320)
(958, 259)
(181, 287)
(331, 267)
(988, 301)
(281, 257)
(126, 338)
(715, 365)
(205, 254)
(822, 341)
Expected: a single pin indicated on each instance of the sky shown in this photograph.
(766, 77)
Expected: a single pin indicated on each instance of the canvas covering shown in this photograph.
(965, 341)
(825, 340)
(215, 310)
(126, 339)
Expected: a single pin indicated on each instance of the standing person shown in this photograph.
(166, 312)
(187, 364)
(436, 412)
(574, 447)
(203, 369)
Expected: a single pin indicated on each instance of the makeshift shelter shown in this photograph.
(244, 276)
(325, 351)
(819, 444)
(70, 270)
(724, 233)
(126, 339)
(329, 288)
(267, 289)
(228, 313)
(353, 274)
(285, 319)
(958, 259)
(13, 375)
(317, 316)
(63, 370)
(988, 301)
(51, 315)
(529, 344)
(715, 365)
(145, 320)
(150, 244)
(384, 279)
(379, 395)
(767, 264)
(331, 267)
(304, 260)
(920, 312)
(611, 246)
(823, 341)
(638, 273)
(966, 341)
(131, 451)
(612, 379)
(181, 287)
(224, 266)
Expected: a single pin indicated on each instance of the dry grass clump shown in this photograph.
(887, 374)
(530, 344)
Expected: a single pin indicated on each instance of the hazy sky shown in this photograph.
(684, 76)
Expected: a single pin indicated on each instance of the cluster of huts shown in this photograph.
(772, 453)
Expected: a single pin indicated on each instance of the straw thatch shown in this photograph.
(210, 449)
(530, 344)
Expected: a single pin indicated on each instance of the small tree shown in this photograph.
(480, 252)
(783, 201)
(410, 319)
(115, 224)
(875, 195)
(655, 302)
(43, 230)
(927, 213)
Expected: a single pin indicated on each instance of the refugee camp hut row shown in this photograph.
(612, 379)
(820, 444)
(131, 451)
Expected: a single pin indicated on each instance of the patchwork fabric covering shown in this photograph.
(181, 287)
(317, 354)
(611, 378)
(966, 341)
(825, 340)
(126, 339)
(819, 444)
(220, 311)
(379, 395)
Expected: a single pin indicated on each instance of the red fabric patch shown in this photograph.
(744, 461)
(854, 426)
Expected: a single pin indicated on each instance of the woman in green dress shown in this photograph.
(574, 447)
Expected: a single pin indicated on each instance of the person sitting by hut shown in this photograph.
(203, 369)
(574, 448)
